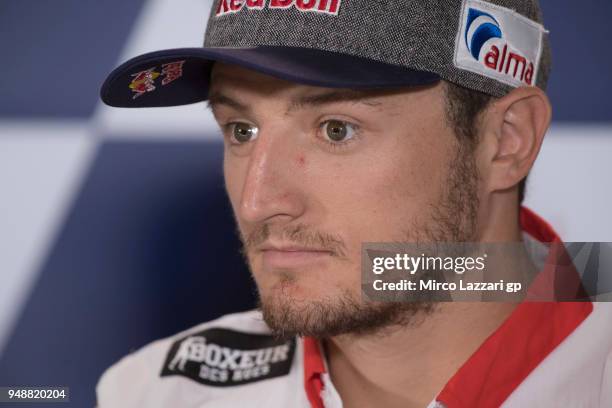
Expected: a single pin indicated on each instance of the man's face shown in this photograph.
(312, 173)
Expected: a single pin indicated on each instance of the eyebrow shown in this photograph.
(336, 96)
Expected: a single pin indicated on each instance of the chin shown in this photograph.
(291, 308)
(300, 287)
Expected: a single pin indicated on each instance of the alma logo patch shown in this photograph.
(224, 357)
(498, 43)
(331, 7)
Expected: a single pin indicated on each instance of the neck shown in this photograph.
(401, 369)
(409, 365)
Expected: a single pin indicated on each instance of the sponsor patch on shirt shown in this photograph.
(224, 357)
(498, 43)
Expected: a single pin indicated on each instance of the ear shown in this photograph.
(513, 130)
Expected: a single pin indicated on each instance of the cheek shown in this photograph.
(234, 178)
(380, 198)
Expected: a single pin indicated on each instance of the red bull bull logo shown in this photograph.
(144, 81)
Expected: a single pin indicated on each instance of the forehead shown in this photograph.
(230, 82)
(231, 75)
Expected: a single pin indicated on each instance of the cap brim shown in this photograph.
(146, 81)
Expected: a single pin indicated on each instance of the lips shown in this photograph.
(291, 256)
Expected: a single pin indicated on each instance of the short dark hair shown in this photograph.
(463, 109)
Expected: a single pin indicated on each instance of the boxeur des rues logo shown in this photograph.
(223, 357)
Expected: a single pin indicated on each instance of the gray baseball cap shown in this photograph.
(488, 46)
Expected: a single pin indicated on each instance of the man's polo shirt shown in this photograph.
(545, 354)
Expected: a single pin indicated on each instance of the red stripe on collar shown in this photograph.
(504, 359)
(507, 357)
(313, 368)
(535, 226)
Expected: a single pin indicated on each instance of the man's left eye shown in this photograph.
(242, 133)
(338, 131)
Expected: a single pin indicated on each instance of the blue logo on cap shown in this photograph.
(480, 28)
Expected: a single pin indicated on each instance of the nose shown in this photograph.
(271, 189)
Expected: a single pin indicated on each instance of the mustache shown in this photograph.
(299, 234)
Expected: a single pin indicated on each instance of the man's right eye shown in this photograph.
(241, 133)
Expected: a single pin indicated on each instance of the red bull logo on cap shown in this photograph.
(172, 71)
(330, 7)
(144, 81)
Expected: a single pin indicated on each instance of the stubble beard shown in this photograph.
(452, 219)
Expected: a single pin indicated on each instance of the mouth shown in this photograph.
(291, 256)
